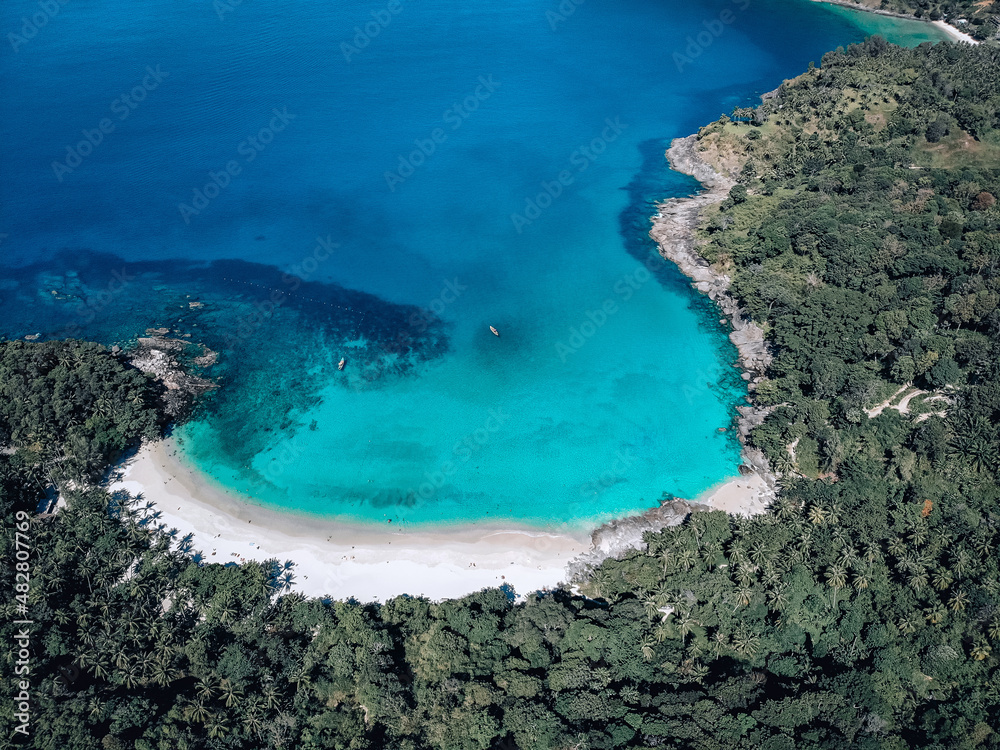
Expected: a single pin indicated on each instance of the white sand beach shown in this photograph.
(341, 560)
(742, 496)
(953, 33)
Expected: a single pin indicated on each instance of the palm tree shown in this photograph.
(778, 600)
(942, 579)
(861, 580)
(709, 556)
(252, 723)
(771, 578)
(662, 632)
(687, 558)
(983, 545)
(935, 614)
(745, 574)
(873, 553)
(745, 642)
(271, 695)
(848, 556)
(96, 706)
(228, 613)
(785, 508)
(684, 625)
(759, 553)
(301, 679)
(101, 668)
(918, 579)
(805, 542)
(743, 596)
(958, 601)
(817, 515)
(667, 561)
(836, 578)
(128, 676)
(230, 693)
(962, 563)
(197, 711)
(663, 593)
(647, 650)
(906, 625)
(699, 672)
(897, 546)
(737, 554)
(651, 606)
(980, 650)
(720, 643)
(994, 630)
(164, 674)
(205, 689)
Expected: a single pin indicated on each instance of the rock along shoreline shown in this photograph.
(674, 227)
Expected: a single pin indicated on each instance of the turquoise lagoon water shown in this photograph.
(295, 183)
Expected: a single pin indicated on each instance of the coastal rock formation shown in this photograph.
(617, 538)
(674, 229)
(162, 357)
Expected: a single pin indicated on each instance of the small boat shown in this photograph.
(340, 365)
(495, 331)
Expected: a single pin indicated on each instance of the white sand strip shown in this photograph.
(954, 34)
(341, 560)
(742, 496)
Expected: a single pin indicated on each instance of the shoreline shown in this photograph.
(673, 230)
(953, 33)
(341, 560)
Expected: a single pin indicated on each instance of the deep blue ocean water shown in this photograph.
(381, 182)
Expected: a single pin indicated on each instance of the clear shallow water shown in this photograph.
(410, 189)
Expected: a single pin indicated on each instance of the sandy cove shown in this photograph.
(343, 560)
(954, 34)
(340, 560)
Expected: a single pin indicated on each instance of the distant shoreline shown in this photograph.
(953, 33)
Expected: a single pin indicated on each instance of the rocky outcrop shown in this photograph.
(617, 538)
(674, 228)
(163, 358)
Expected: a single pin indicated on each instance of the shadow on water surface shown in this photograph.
(280, 336)
(654, 183)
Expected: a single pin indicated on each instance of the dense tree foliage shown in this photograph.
(68, 408)
(863, 610)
